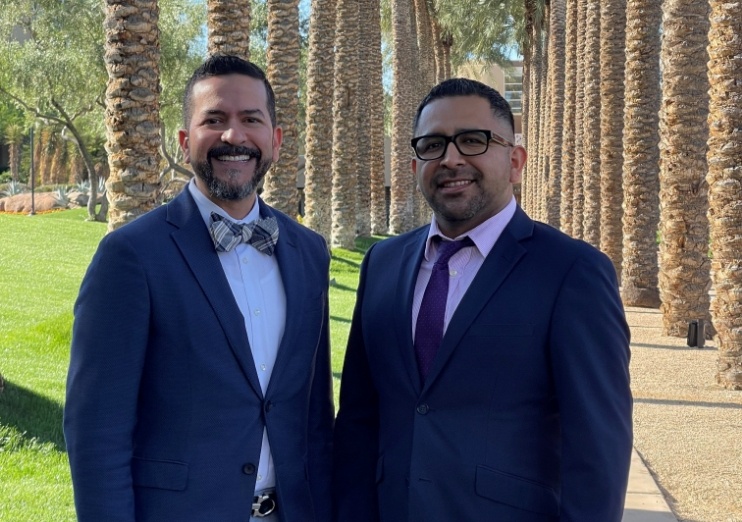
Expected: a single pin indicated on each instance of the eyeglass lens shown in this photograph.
(469, 143)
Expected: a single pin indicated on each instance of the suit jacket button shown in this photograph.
(423, 409)
(248, 469)
(267, 406)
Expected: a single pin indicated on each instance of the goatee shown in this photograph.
(223, 189)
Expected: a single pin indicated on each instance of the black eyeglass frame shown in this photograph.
(491, 136)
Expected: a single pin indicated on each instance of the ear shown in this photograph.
(277, 140)
(413, 164)
(518, 158)
(184, 146)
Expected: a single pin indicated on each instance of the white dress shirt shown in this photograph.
(463, 265)
(257, 287)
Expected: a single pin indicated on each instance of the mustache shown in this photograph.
(232, 150)
(443, 174)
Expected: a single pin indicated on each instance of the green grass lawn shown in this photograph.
(42, 261)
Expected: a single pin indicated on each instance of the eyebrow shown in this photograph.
(244, 112)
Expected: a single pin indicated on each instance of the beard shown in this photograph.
(223, 189)
(455, 209)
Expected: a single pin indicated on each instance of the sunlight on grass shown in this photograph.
(42, 261)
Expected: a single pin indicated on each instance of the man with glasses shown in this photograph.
(486, 376)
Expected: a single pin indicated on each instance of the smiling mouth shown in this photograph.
(242, 157)
(458, 183)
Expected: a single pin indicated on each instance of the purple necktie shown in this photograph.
(429, 328)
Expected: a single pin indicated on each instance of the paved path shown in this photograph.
(644, 501)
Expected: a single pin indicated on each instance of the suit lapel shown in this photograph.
(410, 259)
(193, 240)
(290, 263)
(501, 260)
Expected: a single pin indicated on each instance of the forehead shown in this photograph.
(231, 92)
(455, 113)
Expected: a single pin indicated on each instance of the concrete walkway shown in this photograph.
(644, 501)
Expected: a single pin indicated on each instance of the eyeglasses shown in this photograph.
(468, 143)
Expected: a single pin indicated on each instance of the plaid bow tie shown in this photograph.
(261, 234)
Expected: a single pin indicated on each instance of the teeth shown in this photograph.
(456, 183)
(234, 158)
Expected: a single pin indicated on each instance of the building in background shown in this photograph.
(507, 79)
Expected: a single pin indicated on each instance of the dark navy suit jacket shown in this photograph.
(164, 415)
(526, 413)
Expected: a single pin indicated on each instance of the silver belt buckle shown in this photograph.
(263, 506)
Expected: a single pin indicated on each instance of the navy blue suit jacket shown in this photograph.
(526, 413)
(164, 415)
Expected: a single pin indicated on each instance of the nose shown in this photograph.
(451, 156)
(233, 136)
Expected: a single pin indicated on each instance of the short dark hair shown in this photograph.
(466, 87)
(222, 65)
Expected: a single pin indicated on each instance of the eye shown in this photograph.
(472, 139)
(429, 145)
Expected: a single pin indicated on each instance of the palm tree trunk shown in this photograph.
(556, 131)
(371, 16)
(568, 136)
(404, 102)
(318, 147)
(371, 120)
(345, 114)
(641, 154)
(228, 23)
(725, 179)
(578, 186)
(132, 111)
(591, 126)
(684, 278)
(284, 54)
(612, 66)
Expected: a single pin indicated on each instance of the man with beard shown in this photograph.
(199, 385)
(486, 376)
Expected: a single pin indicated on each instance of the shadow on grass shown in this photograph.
(673, 347)
(340, 286)
(676, 402)
(37, 419)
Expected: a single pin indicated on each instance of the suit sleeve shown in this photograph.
(322, 411)
(109, 342)
(356, 427)
(589, 342)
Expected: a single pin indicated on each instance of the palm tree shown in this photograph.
(534, 117)
(556, 70)
(591, 126)
(641, 154)
(318, 147)
(612, 65)
(371, 47)
(424, 30)
(684, 278)
(568, 136)
(345, 135)
(544, 119)
(724, 179)
(404, 102)
(578, 188)
(132, 109)
(284, 53)
(371, 205)
(228, 23)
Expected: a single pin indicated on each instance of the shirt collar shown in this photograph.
(484, 235)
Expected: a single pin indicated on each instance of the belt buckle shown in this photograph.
(263, 505)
